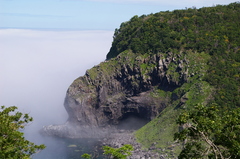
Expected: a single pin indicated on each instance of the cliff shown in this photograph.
(129, 85)
(158, 65)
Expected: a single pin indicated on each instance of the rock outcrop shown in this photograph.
(120, 88)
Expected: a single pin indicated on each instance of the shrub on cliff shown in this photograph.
(210, 132)
(118, 153)
(12, 143)
(114, 153)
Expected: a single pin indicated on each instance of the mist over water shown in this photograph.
(36, 69)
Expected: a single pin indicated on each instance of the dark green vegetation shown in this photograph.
(210, 133)
(12, 143)
(114, 153)
(118, 153)
(212, 30)
(209, 39)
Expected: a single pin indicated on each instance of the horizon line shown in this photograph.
(55, 29)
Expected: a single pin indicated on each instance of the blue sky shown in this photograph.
(85, 14)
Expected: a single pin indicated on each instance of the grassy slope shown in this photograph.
(160, 131)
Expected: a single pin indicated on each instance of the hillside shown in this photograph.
(159, 65)
(212, 30)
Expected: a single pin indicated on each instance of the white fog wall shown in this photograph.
(37, 66)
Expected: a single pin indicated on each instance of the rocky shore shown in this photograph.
(112, 137)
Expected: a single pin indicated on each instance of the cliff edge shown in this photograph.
(128, 86)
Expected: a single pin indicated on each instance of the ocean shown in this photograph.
(63, 148)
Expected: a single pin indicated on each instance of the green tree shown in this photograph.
(210, 133)
(86, 156)
(118, 153)
(12, 143)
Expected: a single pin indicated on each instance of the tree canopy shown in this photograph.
(209, 132)
(13, 145)
(212, 30)
(118, 153)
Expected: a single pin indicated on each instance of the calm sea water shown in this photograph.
(62, 148)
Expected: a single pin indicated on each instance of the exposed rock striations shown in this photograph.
(123, 87)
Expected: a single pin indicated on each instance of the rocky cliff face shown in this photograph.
(129, 85)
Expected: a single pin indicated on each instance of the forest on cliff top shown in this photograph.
(212, 32)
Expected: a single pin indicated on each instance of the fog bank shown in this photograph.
(37, 67)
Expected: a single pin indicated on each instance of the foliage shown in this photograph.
(209, 132)
(161, 130)
(12, 143)
(86, 156)
(205, 29)
(212, 30)
(118, 153)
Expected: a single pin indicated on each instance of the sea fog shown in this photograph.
(37, 66)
